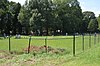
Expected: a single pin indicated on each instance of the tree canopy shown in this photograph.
(46, 17)
(8, 16)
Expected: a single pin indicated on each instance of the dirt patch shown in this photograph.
(43, 49)
(28, 62)
(5, 54)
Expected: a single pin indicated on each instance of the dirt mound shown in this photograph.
(43, 49)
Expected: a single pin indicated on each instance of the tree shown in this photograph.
(14, 9)
(70, 15)
(51, 15)
(76, 15)
(41, 14)
(24, 17)
(87, 16)
(93, 25)
(98, 19)
(8, 16)
(3, 11)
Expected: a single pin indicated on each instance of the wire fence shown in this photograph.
(50, 44)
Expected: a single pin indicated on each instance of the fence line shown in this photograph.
(90, 36)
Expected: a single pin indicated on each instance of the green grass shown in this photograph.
(90, 57)
(54, 41)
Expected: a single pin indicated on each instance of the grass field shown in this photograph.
(53, 41)
(90, 57)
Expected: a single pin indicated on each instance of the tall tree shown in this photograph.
(93, 25)
(41, 16)
(89, 21)
(70, 15)
(3, 16)
(98, 19)
(12, 23)
(24, 17)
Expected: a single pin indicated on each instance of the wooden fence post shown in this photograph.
(46, 45)
(98, 37)
(9, 44)
(89, 40)
(94, 38)
(74, 44)
(29, 44)
(83, 42)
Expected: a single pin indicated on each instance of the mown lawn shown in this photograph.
(65, 42)
(90, 57)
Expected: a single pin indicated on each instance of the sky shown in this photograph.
(86, 5)
(20, 1)
(90, 5)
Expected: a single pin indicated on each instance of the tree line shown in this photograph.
(46, 17)
(9, 12)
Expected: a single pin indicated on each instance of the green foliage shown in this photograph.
(89, 14)
(63, 15)
(8, 16)
(44, 17)
(90, 22)
(23, 18)
(98, 19)
(93, 25)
